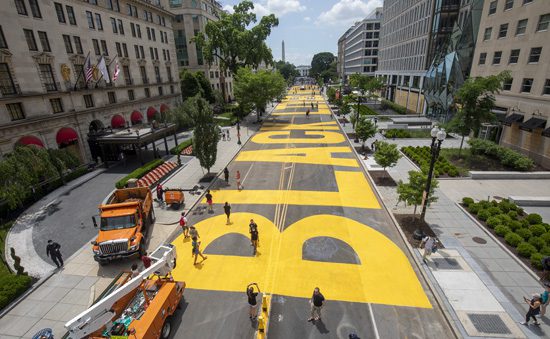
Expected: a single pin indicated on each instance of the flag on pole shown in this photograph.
(103, 69)
(116, 71)
(88, 69)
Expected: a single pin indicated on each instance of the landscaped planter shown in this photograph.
(421, 157)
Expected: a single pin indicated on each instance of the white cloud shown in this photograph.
(307, 18)
(346, 12)
(228, 8)
(260, 10)
(277, 7)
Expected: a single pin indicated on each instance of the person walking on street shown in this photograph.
(544, 299)
(317, 300)
(160, 191)
(223, 135)
(251, 295)
(254, 235)
(238, 178)
(53, 251)
(209, 201)
(227, 210)
(307, 113)
(184, 225)
(534, 309)
(197, 251)
(146, 260)
(428, 243)
(226, 175)
(193, 233)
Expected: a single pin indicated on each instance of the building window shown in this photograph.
(143, 72)
(148, 33)
(514, 56)
(127, 76)
(544, 20)
(21, 8)
(169, 72)
(482, 58)
(88, 100)
(152, 52)
(493, 7)
(172, 89)
(3, 42)
(508, 4)
(487, 33)
(114, 25)
(16, 111)
(90, 18)
(104, 47)
(7, 86)
(142, 52)
(31, 41)
(526, 85)
(98, 21)
(161, 90)
(522, 27)
(43, 36)
(131, 96)
(47, 76)
(157, 74)
(35, 9)
(112, 97)
(118, 49)
(120, 27)
(125, 49)
(70, 15)
(503, 30)
(147, 93)
(546, 89)
(60, 13)
(156, 53)
(138, 30)
(526, 2)
(136, 50)
(78, 45)
(507, 84)
(97, 51)
(57, 105)
(534, 55)
(496, 57)
(68, 44)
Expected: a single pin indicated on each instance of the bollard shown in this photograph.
(264, 303)
(261, 324)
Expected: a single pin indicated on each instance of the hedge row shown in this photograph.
(180, 147)
(12, 286)
(528, 234)
(506, 156)
(395, 107)
(366, 110)
(421, 156)
(404, 133)
(139, 172)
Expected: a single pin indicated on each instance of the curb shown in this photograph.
(495, 239)
(437, 297)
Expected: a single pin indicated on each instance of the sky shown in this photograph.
(309, 27)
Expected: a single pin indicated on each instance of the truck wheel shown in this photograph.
(166, 328)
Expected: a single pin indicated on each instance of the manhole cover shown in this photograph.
(489, 323)
(479, 240)
(446, 264)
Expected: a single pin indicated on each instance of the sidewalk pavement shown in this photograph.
(56, 299)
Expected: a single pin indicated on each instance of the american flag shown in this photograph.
(116, 71)
(88, 69)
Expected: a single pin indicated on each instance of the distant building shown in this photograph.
(514, 36)
(304, 70)
(191, 17)
(44, 99)
(340, 55)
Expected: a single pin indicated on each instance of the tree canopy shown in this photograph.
(257, 89)
(366, 83)
(386, 154)
(287, 70)
(193, 83)
(364, 129)
(323, 65)
(413, 191)
(206, 132)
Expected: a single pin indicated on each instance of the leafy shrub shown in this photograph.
(180, 147)
(546, 237)
(483, 215)
(421, 157)
(534, 218)
(545, 251)
(506, 156)
(514, 225)
(392, 105)
(513, 214)
(524, 223)
(12, 286)
(537, 242)
(513, 239)
(453, 172)
(494, 210)
(524, 233)
(504, 218)
(525, 249)
(520, 211)
(493, 222)
(546, 225)
(484, 204)
(139, 172)
(536, 260)
(502, 230)
(474, 208)
(537, 230)
(467, 201)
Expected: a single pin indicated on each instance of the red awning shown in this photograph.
(164, 108)
(66, 135)
(151, 111)
(117, 121)
(30, 140)
(136, 117)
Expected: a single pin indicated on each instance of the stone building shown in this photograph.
(514, 35)
(191, 16)
(44, 99)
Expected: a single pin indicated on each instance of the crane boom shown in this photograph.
(101, 313)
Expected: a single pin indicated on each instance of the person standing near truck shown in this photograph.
(197, 250)
(53, 251)
(209, 201)
(184, 225)
(160, 191)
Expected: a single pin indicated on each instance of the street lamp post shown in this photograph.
(439, 135)
(238, 132)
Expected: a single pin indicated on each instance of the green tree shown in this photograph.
(234, 42)
(320, 63)
(189, 84)
(205, 87)
(256, 89)
(367, 84)
(475, 100)
(413, 191)
(287, 70)
(364, 129)
(206, 132)
(386, 154)
(331, 94)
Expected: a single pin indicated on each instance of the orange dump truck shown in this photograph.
(123, 221)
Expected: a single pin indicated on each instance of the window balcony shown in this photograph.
(52, 86)
(8, 88)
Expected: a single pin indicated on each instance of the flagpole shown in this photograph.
(101, 77)
(81, 71)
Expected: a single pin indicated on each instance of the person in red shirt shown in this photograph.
(184, 225)
(146, 260)
(159, 193)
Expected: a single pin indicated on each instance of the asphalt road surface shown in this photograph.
(320, 225)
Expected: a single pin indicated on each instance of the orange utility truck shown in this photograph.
(137, 308)
(123, 221)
